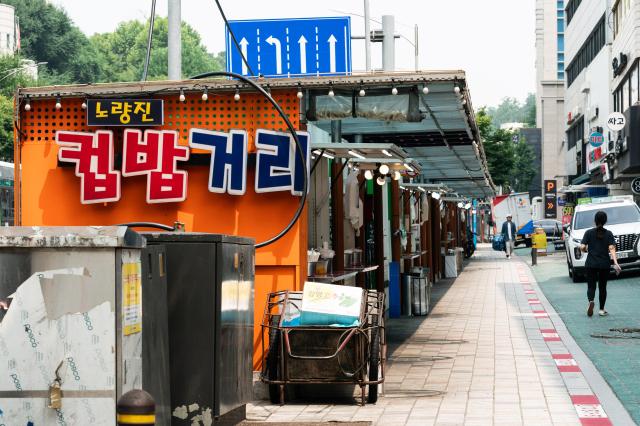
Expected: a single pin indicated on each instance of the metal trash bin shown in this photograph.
(210, 285)
(420, 299)
(406, 294)
(84, 324)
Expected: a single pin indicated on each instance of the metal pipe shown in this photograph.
(152, 20)
(174, 43)
(388, 43)
(415, 45)
(367, 36)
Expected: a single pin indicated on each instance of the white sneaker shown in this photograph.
(603, 313)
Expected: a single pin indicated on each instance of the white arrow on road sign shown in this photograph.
(303, 54)
(243, 44)
(332, 53)
(274, 41)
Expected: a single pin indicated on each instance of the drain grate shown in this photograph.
(417, 393)
(413, 359)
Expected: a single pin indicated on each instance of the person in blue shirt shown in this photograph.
(600, 246)
(509, 234)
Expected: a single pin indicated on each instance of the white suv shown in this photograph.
(623, 220)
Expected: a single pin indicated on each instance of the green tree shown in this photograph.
(122, 53)
(49, 35)
(510, 110)
(523, 170)
(499, 149)
(6, 129)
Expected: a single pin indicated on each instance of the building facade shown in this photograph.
(6, 193)
(550, 75)
(588, 103)
(9, 30)
(624, 146)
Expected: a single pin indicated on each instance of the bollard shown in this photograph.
(136, 407)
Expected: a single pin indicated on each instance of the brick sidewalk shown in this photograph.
(484, 355)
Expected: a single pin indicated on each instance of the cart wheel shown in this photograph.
(273, 365)
(374, 364)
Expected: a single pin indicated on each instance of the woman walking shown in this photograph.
(599, 243)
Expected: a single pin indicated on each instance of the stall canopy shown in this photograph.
(428, 114)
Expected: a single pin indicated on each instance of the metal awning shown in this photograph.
(369, 155)
(444, 139)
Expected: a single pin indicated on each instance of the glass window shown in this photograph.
(560, 42)
(560, 75)
(615, 216)
(634, 85)
(560, 25)
(625, 96)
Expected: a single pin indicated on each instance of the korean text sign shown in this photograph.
(156, 155)
(125, 112)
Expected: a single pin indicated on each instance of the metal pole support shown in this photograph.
(136, 407)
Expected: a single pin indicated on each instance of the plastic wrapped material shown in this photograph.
(384, 107)
(333, 107)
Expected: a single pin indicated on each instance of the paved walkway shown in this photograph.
(488, 353)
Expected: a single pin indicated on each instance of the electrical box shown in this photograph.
(80, 324)
(210, 293)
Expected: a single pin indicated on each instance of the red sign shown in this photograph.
(92, 153)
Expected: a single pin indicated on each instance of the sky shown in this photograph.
(492, 40)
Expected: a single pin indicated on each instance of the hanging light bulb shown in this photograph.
(381, 180)
(331, 93)
(84, 105)
(387, 153)
(435, 195)
(425, 90)
(396, 175)
(460, 205)
(182, 98)
(362, 92)
(27, 104)
(205, 94)
(58, 103)
(394, 91)
(368, 174)
(299, 94)
(456, 89)
(236, 97)
(384, 169)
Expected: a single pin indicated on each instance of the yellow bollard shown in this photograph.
(136, 407)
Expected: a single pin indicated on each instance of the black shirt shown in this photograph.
(598, 248)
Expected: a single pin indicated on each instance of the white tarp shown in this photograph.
(35, 341)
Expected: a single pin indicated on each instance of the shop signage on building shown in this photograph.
(550, 199)
(596, 139)
(125, 112)
(616, 121)
(635, 186)
(155, 154)
(594, 157)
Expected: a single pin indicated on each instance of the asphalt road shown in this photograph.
(617, 355)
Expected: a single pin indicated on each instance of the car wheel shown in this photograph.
(570, 269)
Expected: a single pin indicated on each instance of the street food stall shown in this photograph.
(213, 155)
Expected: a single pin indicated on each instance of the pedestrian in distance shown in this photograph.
(600, 246)
(509, 234)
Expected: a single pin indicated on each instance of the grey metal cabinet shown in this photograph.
(210, 284)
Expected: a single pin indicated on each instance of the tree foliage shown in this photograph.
(48, 35)
(511, 110)
(6, 128)
(511, 164)
(122, 53)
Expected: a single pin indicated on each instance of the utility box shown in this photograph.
(84, 324)
(210, 285)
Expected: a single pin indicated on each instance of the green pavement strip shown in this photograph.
(616, 358)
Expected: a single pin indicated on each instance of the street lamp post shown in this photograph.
(14, 71)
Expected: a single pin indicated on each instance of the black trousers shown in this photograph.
(599, 276)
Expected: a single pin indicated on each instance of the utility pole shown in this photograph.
(388, 43)
(415, 45)
(175, 40)
(367, 36)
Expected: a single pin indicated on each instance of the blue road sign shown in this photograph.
(291, 47)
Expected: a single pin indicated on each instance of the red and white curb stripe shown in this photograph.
(588, 407)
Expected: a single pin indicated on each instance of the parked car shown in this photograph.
(623, 220)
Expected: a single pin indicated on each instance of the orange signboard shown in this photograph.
(48, 191)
